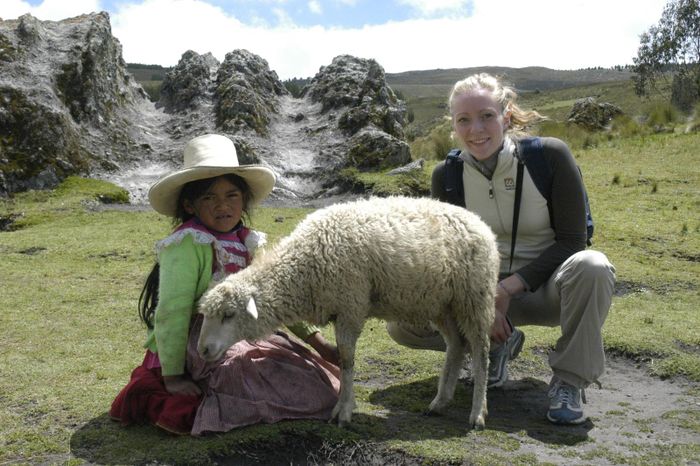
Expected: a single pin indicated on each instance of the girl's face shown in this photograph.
(479, 122)
(220, 208)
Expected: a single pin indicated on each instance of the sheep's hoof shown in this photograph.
(479, 424)
(341, 416)
(437, 408)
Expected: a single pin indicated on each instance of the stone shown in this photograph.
(416, 165)
(374, 150)
(590, 114)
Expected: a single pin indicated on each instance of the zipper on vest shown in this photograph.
(490, 189)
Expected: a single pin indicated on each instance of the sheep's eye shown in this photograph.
(225, 318)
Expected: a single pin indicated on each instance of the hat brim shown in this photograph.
(164, 193)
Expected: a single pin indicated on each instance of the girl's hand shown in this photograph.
(181, 385)
(328, 351)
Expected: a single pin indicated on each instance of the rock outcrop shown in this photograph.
(354, 94)
(247, 91)
(189, 85)
(67, 106)
(592, 115)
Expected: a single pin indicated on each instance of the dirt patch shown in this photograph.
(624, 287)
(633, 418)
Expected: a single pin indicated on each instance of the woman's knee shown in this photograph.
(593, 265)
(415, 337)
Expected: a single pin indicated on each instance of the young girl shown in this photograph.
(261, 381)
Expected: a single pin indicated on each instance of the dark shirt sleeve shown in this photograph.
(437, 187)
(568, 215)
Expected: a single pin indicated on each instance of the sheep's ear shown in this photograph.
(251, 308)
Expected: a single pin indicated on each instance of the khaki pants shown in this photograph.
(576, 298)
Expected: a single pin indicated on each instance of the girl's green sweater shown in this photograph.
(185, 273)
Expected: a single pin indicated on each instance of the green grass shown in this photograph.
(71, 273)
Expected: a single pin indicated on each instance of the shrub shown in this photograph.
(661, 115)
(624, 127)
(435, 145)
(574, 135)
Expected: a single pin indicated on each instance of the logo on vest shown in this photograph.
(510, 183)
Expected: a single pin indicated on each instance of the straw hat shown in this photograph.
(209, 156)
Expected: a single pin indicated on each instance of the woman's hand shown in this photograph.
(328, 351)
(181, 385)
(501, 328)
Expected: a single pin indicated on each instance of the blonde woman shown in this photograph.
(547, 275)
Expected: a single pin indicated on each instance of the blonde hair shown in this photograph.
(520, 119)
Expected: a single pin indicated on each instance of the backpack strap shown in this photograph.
(530, 153)
(540, 171)
(454, 188)
(516, 210)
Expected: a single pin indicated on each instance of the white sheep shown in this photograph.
(399, 259)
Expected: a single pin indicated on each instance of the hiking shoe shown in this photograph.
(565, 402)
(499, 357)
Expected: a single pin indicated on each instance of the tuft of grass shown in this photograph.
(661, 115)
(412, 184)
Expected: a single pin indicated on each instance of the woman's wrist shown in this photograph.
(505, 289)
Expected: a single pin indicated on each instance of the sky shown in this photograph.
(297, 37)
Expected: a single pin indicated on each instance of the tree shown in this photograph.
(671, 49)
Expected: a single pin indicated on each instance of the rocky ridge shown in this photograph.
(68, 106)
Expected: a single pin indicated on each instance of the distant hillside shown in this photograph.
(147, 72)
(548, 90)
(524, 79)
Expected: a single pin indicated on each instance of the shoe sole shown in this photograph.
(567, 423)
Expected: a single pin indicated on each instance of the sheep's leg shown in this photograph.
(479, 344)
(454, 358)
(346, 335)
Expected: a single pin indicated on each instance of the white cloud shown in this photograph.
(49, 10)
(551, 33)
(315, 7)
(283, 18)
(432, 7)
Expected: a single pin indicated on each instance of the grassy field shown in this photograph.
(73, 266)
(428, 102)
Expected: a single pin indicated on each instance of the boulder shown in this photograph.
(416, 165)
(372, 150)
(590, 114)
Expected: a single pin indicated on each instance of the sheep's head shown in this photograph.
(230, 315)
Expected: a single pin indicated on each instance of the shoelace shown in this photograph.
(565, 393)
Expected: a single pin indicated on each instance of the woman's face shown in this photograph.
(479, 122)
(220, 208)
